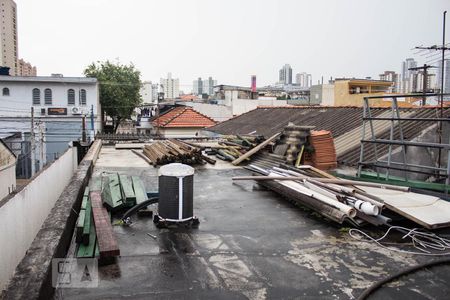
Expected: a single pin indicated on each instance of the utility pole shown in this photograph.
(83, 126)
(443, 49)
(41, 147)
(92, 122)
(425, 80)
(32, 146)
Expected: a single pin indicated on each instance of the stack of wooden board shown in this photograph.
(169, 151)
(121, 191)
(85, 231)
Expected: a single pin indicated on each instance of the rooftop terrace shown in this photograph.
(251, 244)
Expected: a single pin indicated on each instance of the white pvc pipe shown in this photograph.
(367, 208)
(350, 211)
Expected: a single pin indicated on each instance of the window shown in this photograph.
(36, 97)
(48, 96)
(70, 97)
(5, 91)
(83, 97)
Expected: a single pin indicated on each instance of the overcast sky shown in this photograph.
(229, 39)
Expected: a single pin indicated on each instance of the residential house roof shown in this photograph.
(345, 124)
(183, 117)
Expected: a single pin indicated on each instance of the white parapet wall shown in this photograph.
(22, 216)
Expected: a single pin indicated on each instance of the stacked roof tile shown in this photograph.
(324, 155)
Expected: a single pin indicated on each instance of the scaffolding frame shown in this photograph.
(396, 121)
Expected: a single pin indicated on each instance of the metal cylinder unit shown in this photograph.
(176, 192)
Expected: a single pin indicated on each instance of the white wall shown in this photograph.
(20, 100)
(328, 95)
(241, 106)
(180, 132)
(7, 179)
(22, 216)
(216, 112)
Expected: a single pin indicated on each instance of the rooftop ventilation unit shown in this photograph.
(176, 190)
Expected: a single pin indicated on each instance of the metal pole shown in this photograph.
(83, 125)
(363, 136)
(33, 146)
(442, 87)
(41, 147)
(92, 121)
(424, 84)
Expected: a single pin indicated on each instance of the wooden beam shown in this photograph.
(88, 250)
(107, 242)
(80, 225)
(128, 192)
(254, 150)
(87, 223)
(139, 190)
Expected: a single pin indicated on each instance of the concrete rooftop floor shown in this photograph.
(251, 244)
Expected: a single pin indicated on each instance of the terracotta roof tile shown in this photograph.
(183, 117)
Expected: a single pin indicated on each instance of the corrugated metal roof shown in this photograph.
(345, 124)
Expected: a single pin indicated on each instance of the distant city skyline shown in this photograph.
(334, 44)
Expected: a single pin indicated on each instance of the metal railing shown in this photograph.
(396, 123)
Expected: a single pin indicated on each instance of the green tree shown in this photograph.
(119, 89)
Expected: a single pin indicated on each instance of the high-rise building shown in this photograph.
(446, 76)
(285, 74)
(8, 29)
(406, 65)
(394, 78)
(149, 92)
(303, 79)
(25, 68)
(204, 87)
(198, 87)
(170, 87)
(208, 86)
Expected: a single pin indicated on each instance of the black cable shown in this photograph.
(135, 208)
(379, 284)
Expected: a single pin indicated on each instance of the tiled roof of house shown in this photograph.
(183, 117)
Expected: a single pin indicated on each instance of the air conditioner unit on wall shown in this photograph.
(42, 111)
(76, 111)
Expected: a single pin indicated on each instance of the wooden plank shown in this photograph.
(428, 211)
(87, 223)
(86, 192)
(106, 194)
(95, 184)
(255, 149)
(85, 198)
(107, 242)
(129, 146)
(97, 251)
(80, 225)
(139, 190)
(141, 155)
(128, 192)
(115, 196)
(88, 250)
